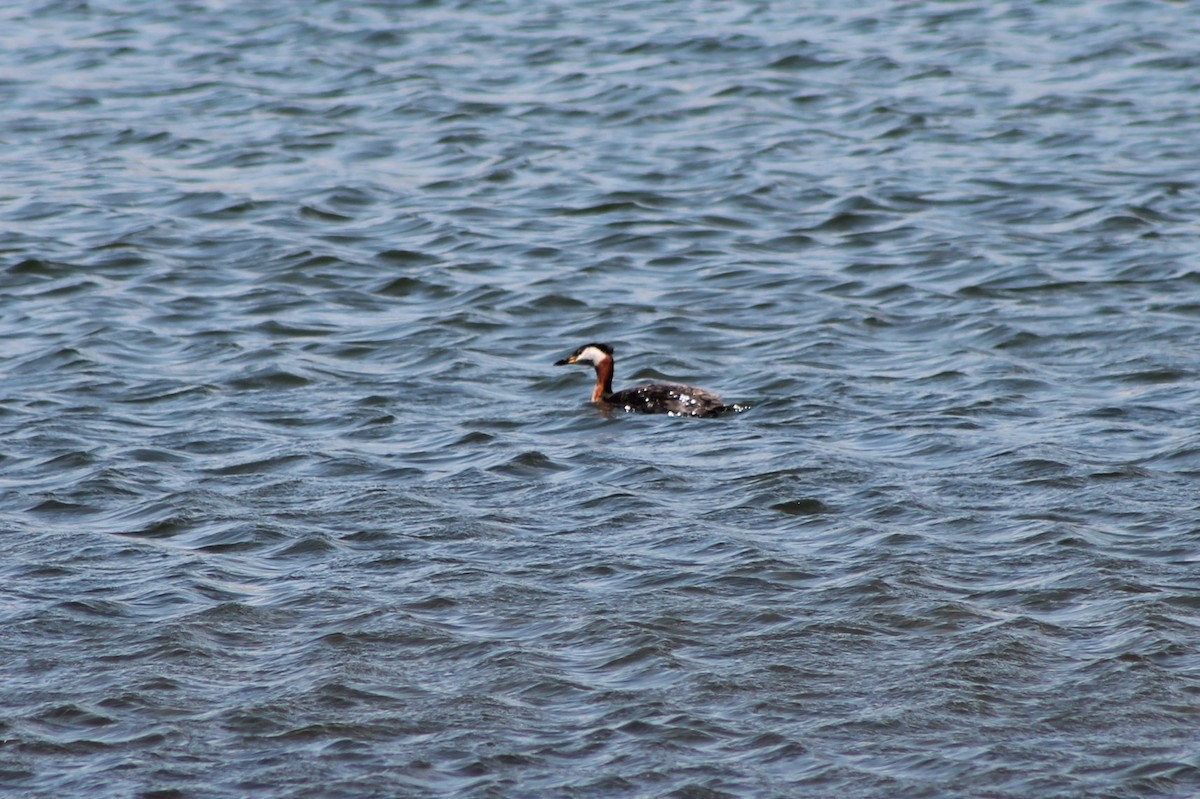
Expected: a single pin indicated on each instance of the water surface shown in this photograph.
(294, 502)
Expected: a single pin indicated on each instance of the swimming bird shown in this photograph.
(668, 398)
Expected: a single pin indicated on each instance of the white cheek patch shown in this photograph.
(592, 355)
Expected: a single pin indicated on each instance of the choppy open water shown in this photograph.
(294, 503)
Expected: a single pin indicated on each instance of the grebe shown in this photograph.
(654, 398)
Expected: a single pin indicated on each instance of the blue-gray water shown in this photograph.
(294, 502)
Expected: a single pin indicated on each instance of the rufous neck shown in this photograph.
(604, 376)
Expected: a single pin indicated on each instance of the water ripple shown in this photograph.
(289, 477)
